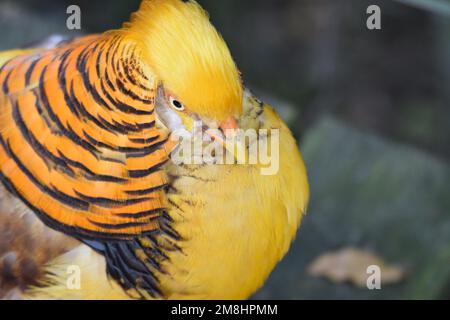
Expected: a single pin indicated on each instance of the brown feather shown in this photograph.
(26, 245)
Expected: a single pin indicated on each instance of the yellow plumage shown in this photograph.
(187, 53)
(237, 227)
(7, 55)
(234, 224)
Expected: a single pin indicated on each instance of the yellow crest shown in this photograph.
(189, 56)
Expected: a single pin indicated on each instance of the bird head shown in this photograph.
(196, 75)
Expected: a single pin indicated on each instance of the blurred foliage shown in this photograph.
(379, 197)
(437, 6)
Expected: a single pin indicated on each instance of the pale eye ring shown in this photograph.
(177, 105)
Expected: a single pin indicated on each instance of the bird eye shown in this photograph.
(177, 105)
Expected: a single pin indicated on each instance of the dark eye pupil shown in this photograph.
(177, 104)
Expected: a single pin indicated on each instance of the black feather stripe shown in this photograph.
(128, 269)
(67, 200)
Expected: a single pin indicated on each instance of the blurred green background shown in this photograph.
(371, 110)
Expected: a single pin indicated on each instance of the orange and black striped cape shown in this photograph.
(79, 145)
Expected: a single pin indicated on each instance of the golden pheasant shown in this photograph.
(86, 145)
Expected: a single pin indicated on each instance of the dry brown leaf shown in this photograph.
(350, 265)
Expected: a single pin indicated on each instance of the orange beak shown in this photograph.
(228, 127)
(229, 124)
